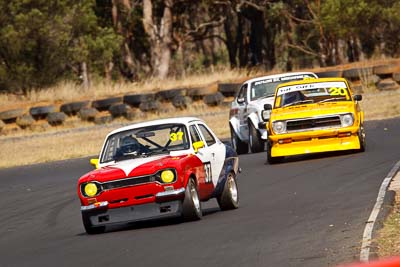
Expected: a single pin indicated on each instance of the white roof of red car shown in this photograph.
(183, 120)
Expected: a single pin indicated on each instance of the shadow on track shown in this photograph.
(151, 223)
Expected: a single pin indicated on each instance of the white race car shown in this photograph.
(247, 127)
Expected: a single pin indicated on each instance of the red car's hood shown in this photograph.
(131, 167)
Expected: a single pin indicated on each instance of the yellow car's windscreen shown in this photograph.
(318, 92)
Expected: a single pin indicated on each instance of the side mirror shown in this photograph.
(197, 145)
(94, 163)
(265, 114)
(268, 107)
(240, 100)
(358, 97)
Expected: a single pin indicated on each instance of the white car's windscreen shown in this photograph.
(266, 88)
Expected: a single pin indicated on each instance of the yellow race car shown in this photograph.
(314, 115)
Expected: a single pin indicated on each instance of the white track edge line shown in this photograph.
(367, 235)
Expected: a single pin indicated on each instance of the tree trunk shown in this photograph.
(160, 37)
(85, 76)
(120, 11)
(108, 67)
(232, 30)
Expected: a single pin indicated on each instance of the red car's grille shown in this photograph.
(128, 182)
(313, 123)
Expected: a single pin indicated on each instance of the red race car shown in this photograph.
(158, 169)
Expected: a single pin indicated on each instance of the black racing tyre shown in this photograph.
(41, 112)
(134, 100)
(229, 198)
(191, 207)
(329, 73)
(238, 145)
(270, 159)
(119, 110)
(73, 108)
(89, 228)
(150, 106)
(87, 114)
(56, 118)
(362, 139)
(199, 92)
(229, 89)
(25, 121)
(102, 119)
(11, 115)
(255, 142)
(105, 104)
(214, 99)
(168, 95)
(181, 102)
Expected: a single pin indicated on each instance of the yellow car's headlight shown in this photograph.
(167, 176)
(347, 120)
(90, 189)
(279, 127)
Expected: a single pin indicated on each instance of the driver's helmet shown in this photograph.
(292, 97)
(129, 144)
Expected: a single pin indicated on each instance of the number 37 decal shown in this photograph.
(207, 170)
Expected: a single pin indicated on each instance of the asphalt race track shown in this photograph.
(304, 212)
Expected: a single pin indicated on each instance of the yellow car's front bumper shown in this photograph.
(319, 141)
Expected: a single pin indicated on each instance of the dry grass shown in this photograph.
(388, 240)
(381, 105)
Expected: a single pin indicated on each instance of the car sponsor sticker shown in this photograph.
(283, 79)
(313, 86)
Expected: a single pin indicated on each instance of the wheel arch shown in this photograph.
(253, 119)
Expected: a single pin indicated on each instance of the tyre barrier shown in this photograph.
(72, 108)
(41, 111)
(106, 103)
(56, 118)
(387, 84)
(355, 74)
(198, 93)
(119, 110)
(229, 89)
(396, 77)
(134, 100)
(102, 118)
(131, 115)
(10, 116)
(134, 106)
(385, 71)
(214, 99)
(181, 102)
(329, 74)
(87, 114)
(150, 106)
(25, 121)
(168, 95)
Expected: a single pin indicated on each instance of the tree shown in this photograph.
(157, 22)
